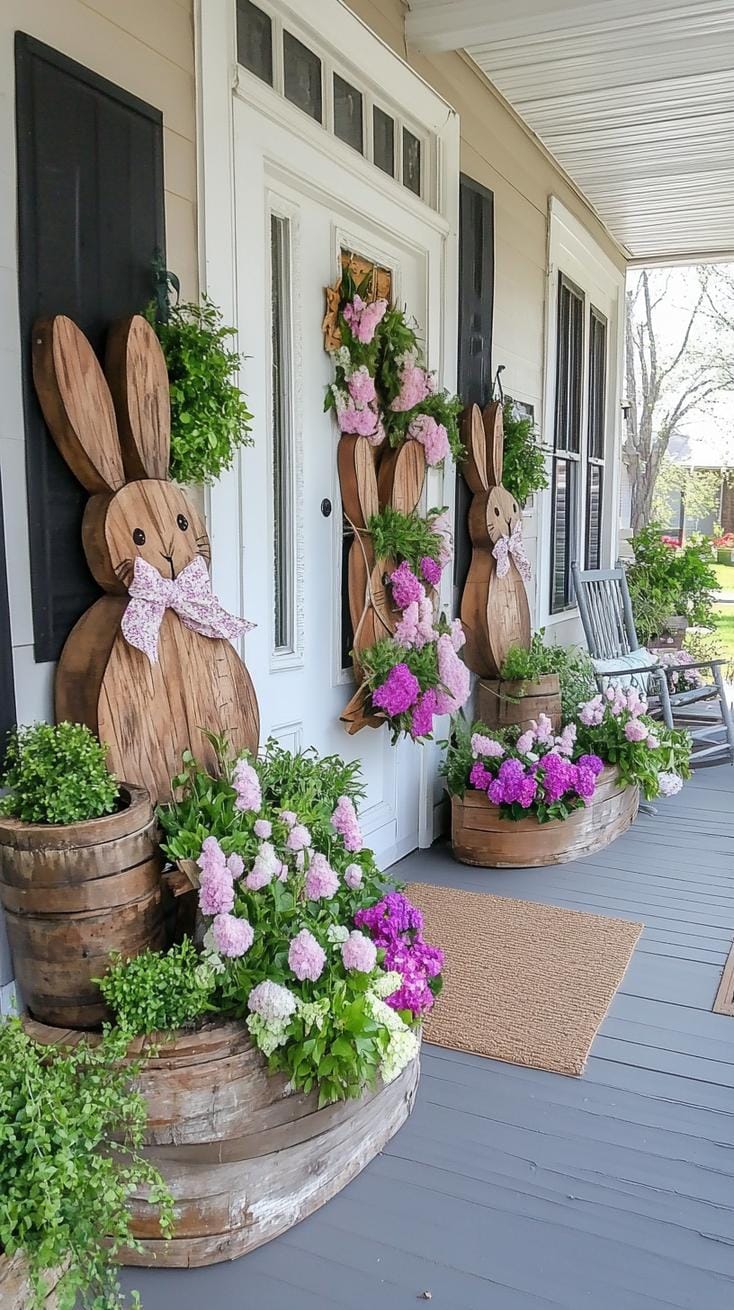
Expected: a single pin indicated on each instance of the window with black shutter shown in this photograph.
(567, 441)
(596, 436)
(90, 223)
(7, 685)
(476, 305)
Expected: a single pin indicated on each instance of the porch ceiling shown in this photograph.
(634, 98)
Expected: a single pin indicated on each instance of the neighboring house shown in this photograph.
(707, 450)
(252, 143)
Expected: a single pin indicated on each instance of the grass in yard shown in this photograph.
(725, 574)
(725, 630)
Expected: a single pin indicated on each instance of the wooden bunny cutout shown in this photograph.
(148, 673)
(494, 605)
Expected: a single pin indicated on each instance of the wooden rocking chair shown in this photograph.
(606, 614)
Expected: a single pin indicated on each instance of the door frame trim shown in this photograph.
(219, 80)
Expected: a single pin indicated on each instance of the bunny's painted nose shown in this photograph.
(170, 561)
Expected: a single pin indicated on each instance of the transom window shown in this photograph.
(336, 98)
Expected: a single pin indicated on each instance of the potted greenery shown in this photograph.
(79, 869)
(63, 1191)
(670, 587)
(540, 679)
(524, 471)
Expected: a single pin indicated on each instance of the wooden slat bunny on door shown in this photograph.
(151, 664)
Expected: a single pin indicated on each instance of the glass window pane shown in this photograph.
(255, 40)
(302, 74)
(569, 367)
(565, 474)
(597, 383)
(348, 113)
(593, 517)
(384, 140)
(411, 162)
(282, 454)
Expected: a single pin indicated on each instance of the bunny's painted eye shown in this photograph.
(514, 507)
(139, 537)
(183, 522)
(496, 511)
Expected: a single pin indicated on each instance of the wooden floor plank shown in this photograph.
(515, 1189)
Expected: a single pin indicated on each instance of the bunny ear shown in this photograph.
(138, 377)
(76, 404)
(495, 440)
(401, 476)
(357, 479)
(475, 444)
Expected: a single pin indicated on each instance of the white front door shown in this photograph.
(296, 209)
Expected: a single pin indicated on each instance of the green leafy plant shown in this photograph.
(57, 775)
(654, 751)
(664, 582)
(63, 1191)
(572, 665)
(524, 469)
(408, 537)
(156, 991)
(210, 419)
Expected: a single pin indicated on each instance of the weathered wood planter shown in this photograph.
(502, 704)
(15, 1286)
(71, 894)
(244, 1158)
(481, 837)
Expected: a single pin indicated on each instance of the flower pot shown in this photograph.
(480, 836)
(502, 704)
(244, 1155)
(673, 634)
(15, 1284)
(71, 894)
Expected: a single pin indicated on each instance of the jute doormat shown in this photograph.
(525, 983)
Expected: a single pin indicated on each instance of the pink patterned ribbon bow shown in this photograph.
(512, 545)
(189, 595)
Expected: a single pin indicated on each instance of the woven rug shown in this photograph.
(525, 983)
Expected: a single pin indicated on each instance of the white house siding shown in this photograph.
(147, 47)
(499, 151)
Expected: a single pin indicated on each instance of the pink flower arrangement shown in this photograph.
(346, 823)
(353, 877)
(363, 318)
(431, 570)
(298, 838)
(421, 724)
(263, 828)
(415, 385)
(406, 588)
(432, 436)
(361, 386)
(454, 675)
(533, 773)
(482, 744)
(415, 628)
(232, 936)
(247, 787)
(306, 959)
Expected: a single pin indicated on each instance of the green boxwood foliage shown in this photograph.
(63, 1192)
(156, 991)
(524, 462)
(209, 415)
(57, 775)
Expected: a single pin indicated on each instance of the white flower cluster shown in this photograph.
(403, 1043)
(272, 1007)
(336, 933)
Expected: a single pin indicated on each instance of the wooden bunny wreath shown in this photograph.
(494, 604)
(151, 663)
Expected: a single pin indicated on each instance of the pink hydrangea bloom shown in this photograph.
(421, 723)
(592, 712)
(525, 742)
(299, 837)
(443, 529)
(453, 674)
(635, 730)
(357, 420)
(289, 817)
(398, 692)
(652, 742)
(235, 865)
(361, 386)
(212, 856)
(567, 740)
(345, 821)
(415, 628)
(406, 589)
(232, 937)
(489, 747)
(216, 891)
(431, 570)
(322, 882)
(305, 957)
(543, 729)
(263, 828)
(363, 319)
(415, 385)
(353, 877)
(432, 436)
(247, 786)
(264, 869)
(359, 953)
(272, 1001)
(458, 636)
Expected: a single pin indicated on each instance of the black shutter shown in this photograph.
(7, 685)
(476, 306)
(90, 221)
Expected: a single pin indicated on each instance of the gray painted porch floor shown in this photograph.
(513, 1189)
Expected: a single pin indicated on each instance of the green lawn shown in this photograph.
(725, 574)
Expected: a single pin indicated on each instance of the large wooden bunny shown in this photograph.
(494, 605)
(151, 664)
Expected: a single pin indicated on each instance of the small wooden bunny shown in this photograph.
(494, 605)
(151, 664)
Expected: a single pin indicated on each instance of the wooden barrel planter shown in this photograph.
(480, 836)
(71, 894)
(15, 1284)
(244, 1157)
(502, 704)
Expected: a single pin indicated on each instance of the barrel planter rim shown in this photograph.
(536, 845)
(15, 1267)
(134, 812)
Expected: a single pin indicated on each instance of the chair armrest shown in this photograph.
(695, 664)
(631, 672)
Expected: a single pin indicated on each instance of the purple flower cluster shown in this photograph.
(542, 777)
(398, 692)
(396, 927)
